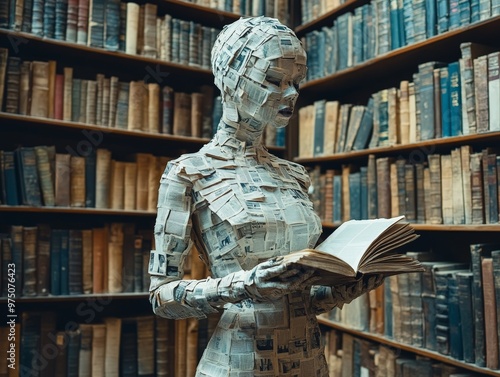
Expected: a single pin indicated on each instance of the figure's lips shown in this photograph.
(286, 112)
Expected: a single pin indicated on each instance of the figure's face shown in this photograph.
(277, 94)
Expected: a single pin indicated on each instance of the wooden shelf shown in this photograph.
(389, 69)
(416, 350)
(421, 149)
(74, 211)
(327, 18)
(148, 68)
(439, 227)
(89, 297)
(198, 13)
(17, 120)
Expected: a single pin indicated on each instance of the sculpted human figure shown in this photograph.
(245, 208)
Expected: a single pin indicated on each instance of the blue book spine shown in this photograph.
(55, 261)
(430, 18)
(64, 263)
(27, 16)
(60, 20)
(364, 192)
(9, 180)
(281, 137)
(217, 113)
(495, 7)
(355, 195)
(337, 199)
(454, 15)
(455, 99)
(474, 11)
(319, 127)
(342, 38)
(357, 44)
(456, 344)
(429, 309)
(419, 19)
(383, 112)
(402, 32)
(388, 328)
(49, 17)
(495, 256)
(426, 104)
(330, 40)
(176, 35)
(395, 34)
(37, 17)
(367, 29)
(442, 16)
(445, 102)
(365, 128)
(464, 6)
(321, 53)
(408, 21)
(464, 281)
(112, 22)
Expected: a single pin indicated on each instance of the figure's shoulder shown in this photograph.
(297, 171)
(189, 167)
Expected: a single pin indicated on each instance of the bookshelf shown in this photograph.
(453, 241)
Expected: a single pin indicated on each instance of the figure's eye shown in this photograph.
(273, 80)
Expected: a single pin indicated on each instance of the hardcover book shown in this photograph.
(357, 248)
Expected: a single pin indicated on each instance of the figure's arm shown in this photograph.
(172, 297)
(324, 299)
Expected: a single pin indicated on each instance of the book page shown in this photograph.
(353, 238)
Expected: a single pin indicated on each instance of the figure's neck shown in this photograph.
(242, 131)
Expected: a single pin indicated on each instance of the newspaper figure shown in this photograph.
(244, 209)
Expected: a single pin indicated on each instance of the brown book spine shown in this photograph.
(446, 183)
(59, 97)
(465, 152)
(40, 89)
(29, 261)
(77, 181)
(143, 161)
(62, 183)
(115, 258)
(43, 260)
(106, 87)
(137, 94)
(476, 174)
(91, 102)
(130, 186)
(182, 114)
(481, 93)
(114, 88)
(197, 117)
(435, 216)
(4, 53)
(394, 120)
(68, 93)
(383, 187)
(25, 88)
(153, 108)
(83, 21)
(87, 255)
(99, 94)
(13, 80)
(404, 112)
(99, 252)
(52, 87)
(117, 185)
(490, 313)
(103, 177)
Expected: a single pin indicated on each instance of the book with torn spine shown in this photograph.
(357, 248)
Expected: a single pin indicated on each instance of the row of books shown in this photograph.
(109, 259)
(311, 10)
(115, 26)
(131, 346)
(459, 98)
(457, 188)
(350, 356)
(384, 25)
(35, 88)
(38, 176)
(451, 308)
(270, 8)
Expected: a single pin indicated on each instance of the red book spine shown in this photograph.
(59, 97)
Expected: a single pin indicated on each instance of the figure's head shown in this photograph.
(258, 64)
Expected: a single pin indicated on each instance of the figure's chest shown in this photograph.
(247, 214)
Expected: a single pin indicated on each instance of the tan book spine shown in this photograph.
(153, 108)
(105, 102)
(103, 177)
(87, 252)
(130, 186)
(394, 190)
(427, 197)
(149, 23)
(446, 183)
(77, 181)
(99, 83)
(490, 313)
(99, 253)
(83, 101)
(62, 180)
(114, 89)
(393, 110)
(412, 108)
(117, 190)
(331, 122)
(25, 88)
(146, 346)
(112, 352)
(197, 115)
(404, 112)
(45, 175)
(132, 28)
(40, 89)
(135, 106)
(98, 350)
(52, 88)
(115, 258)
(85, 354)
(4, 53)
(182, 114)
(143, 161)
(155, 171)
(68, 93)
(457, 187)
(91, 109)
(465, 152)
(435, 214)
(481, 94)
(346, 202)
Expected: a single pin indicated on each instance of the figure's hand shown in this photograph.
(272, 279)
(344, 294)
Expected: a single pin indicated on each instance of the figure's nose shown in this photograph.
(290, 93)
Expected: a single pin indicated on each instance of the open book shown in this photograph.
(360, 247)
